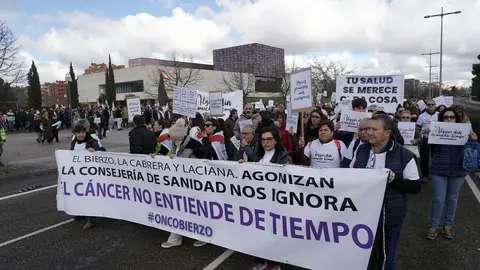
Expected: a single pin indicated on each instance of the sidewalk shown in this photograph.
(24, 157)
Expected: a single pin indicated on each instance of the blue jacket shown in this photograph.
(447, 160)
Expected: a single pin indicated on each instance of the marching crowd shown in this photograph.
(262, 136)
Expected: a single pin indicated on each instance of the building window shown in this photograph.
(128, 87)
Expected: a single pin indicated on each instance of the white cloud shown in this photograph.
(372, 36)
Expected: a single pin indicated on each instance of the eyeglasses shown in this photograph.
(448, 117)
(263, 140)
(371, 163)
(316, 117)
(430, 104)
(405, 117)
(207, 125)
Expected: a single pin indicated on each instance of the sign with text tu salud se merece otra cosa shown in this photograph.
(291, 214)
(384, 91)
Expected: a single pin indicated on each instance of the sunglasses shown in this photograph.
(448, 117)
(263, 140)
(406, 117)
(207, 125)
(431, 104)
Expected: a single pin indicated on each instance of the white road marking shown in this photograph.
(27, 192)
(36, 232)
(213, 265)
(473, 187)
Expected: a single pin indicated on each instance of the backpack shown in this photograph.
(471, 157)
(337, 144)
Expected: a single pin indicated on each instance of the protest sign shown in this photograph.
(386, 91)
(134, 107)
(216, 104)
(301, 90)
(292, 119)
(231, 100)
(407, 130)
(349, 120)
(322, 214)
(449, 133)
(421, 105)
(184, 101)
(448, 100)
(440, 101)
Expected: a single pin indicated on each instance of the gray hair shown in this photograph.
(248, 126)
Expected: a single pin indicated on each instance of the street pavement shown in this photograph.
(116, 244)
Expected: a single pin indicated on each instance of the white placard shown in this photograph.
(259, 105)
(236, 142)
(231, 100)
(184, 101)
(448, 100)
(134, 107)
(243, 123)
(421, 105)
(440, 101)
(301, 90)
(216, 104)
(449, 133)
(384, 91)
(270, 103)
(407, 130)
(97, 120)
(349, 120)
(292, 119)
(225, 204)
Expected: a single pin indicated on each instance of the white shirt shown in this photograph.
(349, 153)
(267, 157)
(324, 155)
(377, 161)
(425, 119)
(80, 146)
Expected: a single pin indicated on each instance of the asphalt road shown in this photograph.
(115, 244)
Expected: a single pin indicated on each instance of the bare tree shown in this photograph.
(236, 81)
(179, 72)
(325, 72)
(11, 67)
(286, 80)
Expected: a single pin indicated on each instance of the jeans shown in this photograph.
(445, 190)
(11, 125)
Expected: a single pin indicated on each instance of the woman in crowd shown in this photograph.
(214, 141)
(447, 179)
(311, 128)
(164, 144)
(461, 111)
(271, 151)
(284, 133)
(83, 141)
(324, 152)
(46, 125)
(186, 147)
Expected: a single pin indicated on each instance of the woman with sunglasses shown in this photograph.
(447, 179)
(214, 141)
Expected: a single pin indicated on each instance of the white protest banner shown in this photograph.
(449, 133)
(349, 120)
(259, 105)
(270, 103)
(297, 215)
(292, 119)
(244, 123)
(440, 101)
(448, 100)
(216, 104)
(184, 101)
(231, 100)
(421, 105)
(134, 107)
(385, 91)
(407, 130)
(301, 90)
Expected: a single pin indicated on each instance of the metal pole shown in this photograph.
(430, 77)
(441, 53)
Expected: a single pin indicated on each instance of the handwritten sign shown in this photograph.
(350, 119)
(292, 119)
(134, 107)
(216, 104)
(184, 101)
(448, 100)
(301, 90)
(440, 101)
(384, 91)
(407, 130)
(449, 133)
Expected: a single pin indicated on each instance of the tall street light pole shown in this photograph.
(441, 15)
(68, 79)
(430, 92)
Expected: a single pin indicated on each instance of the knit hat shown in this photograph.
(178, 130)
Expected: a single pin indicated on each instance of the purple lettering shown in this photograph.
(126, 193)
(109, 190)
(177, 199)
(147, 197)
(317, 231)
(274, 223)
(229, 213)
(243, 213)
(370, 236)
(65, 192)
(294, 228)
(118, 191)
(337, 233)
(158, 199)
(191, 206)
(284, 226)
(75, 188)
(214, 205)
(259, 219)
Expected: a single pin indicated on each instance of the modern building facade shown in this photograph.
(265, 62)
(167, 63)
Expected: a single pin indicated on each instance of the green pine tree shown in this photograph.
(476, 80)
(112, 93)
(106, 91)
(162, 92)
(34, 88)
(73, 88)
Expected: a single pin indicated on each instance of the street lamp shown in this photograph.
(68, 79)
(441, 15)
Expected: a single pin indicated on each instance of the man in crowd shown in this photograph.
(142, 140)
(248, 117)
(423, 122)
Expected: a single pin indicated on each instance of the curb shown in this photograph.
(475, 176)
(29, 174)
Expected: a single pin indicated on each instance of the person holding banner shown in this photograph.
(270, 151)
(186, 147)
(447, 179)
(382, 151)
(214, 141)
(423, 122)
(164, 144)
